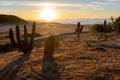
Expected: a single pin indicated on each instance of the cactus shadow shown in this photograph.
(50, 70)
(10, 71)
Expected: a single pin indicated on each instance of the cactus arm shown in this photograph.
(78, 25)
(18, 34)
(20, 47)
(11, 35)
(25, 34)
(25, 38)
(33, 32)
(104, 23)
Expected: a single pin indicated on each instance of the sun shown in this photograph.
(48, 14)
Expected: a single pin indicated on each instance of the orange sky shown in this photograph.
(65, 9)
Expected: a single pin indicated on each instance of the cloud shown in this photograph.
(113, 0)
(83, 6)
(107, 4)
(6, 11)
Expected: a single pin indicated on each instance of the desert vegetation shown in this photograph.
(79, 29)
(107, 27)
(62, 57)
(59, 39)
(106, 31)
(23, 45)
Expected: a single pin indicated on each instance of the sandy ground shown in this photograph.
(73, 60)
(43, 29)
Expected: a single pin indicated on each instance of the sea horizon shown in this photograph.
(82, 21)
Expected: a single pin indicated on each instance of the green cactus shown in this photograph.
(49, 47)
(112, 19)
(104, 23)
(23, 45)
(105, 28)
(79, 29)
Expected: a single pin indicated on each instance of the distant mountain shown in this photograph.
(11, 19)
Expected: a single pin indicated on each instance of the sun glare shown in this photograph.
(48, 14)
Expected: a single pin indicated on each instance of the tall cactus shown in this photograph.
(112, 19)
(105, 23)
(23, 45)
(49, 47)
(49, 66)
(79, 29)
(105, 28)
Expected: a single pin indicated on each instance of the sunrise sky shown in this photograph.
(65, 9)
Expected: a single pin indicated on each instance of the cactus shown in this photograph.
(49, 47)
(79, 29)
(105, 23)
(105, 28)
(112, 19)
(23, 45)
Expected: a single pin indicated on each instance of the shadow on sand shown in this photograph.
(10, 71)
(50, 70)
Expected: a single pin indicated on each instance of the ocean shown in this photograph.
(82, 21)
(5, 28)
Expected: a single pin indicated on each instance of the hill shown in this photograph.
(11, 19)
